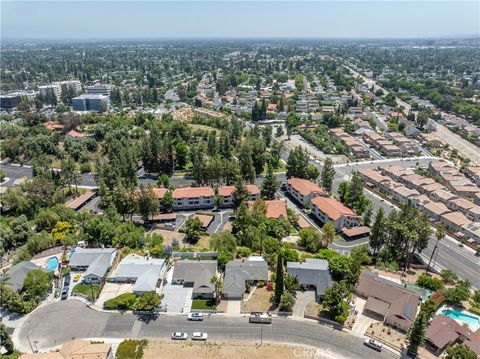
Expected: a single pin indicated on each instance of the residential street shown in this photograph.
(56, 323)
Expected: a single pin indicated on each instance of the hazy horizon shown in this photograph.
(163, 20)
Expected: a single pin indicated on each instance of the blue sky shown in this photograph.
(238, 19)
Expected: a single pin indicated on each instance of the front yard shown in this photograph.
(387, 335)
(209, 304)
(259, 301)
(87, 290)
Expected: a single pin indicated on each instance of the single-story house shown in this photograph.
(81, 258)
(76, 349)
(18, 273)
(443, 332)
(312, 273)
(143, 271)
(239, 272)
(196, 274)
(389, 301)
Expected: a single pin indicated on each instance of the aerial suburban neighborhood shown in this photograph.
(224, 198)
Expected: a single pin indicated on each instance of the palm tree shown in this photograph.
(439, 235)
(217, 282)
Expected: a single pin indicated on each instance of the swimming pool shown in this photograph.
(52, 264)
(463, 317)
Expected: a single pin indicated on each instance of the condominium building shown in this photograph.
(88, 102)
(329, 209)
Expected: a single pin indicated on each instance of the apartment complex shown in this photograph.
(304, 190)
(457, 214)
(193, 198)
(226, 192)
(354, 146)
(329, 209)
(386, 147)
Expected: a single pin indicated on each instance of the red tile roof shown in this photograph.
(205, 219)
(305, 187)
(190, 192)
(276, 208)
(160, 192)
(332, 208)
(228, 190)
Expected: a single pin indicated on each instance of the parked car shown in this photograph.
(199, 336)
(262, 318)
(179, 336)
(66, 280)
(76, 277)
(64, 293)
(373, 344)
(195, 316)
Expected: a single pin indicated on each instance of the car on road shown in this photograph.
(64, 294)
(195, 316)
(199, 336)
(373, 344)
(179, 336)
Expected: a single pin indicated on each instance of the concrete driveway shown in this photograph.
(362, 323)
(112, 290)
(233, 306)
(303, 298)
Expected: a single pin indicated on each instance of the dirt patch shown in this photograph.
(212, 350)
(170, 236)
(387, 335)
(259, 301)
(313, 308)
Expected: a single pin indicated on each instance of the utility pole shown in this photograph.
(439, 235)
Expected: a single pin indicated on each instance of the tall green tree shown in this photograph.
(270, 184)
(378, 235)
(147, 202)
(279, 279)
(328, 174)
(297, 163)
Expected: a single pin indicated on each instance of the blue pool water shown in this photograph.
(464, 317)
(52, 264)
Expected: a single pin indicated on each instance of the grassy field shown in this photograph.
(87, 289)
(203, 304)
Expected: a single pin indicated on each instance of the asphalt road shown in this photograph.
(61, 321)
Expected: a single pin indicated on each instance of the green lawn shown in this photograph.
(128, 349)
(204, 304)
(87, 289)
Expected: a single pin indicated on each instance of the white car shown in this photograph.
(195, 316)
(179, 336)
(199, 336)
(373, 344)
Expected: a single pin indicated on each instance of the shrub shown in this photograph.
(428, 282)
(124, 301)
(261, 284)
(340, 319)
(131, 349)
(287, 301)
(448, 276)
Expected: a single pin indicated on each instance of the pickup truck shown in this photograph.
(262, 318)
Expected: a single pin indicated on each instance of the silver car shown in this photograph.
(373, 344)
(179, 336)
(199, 336)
